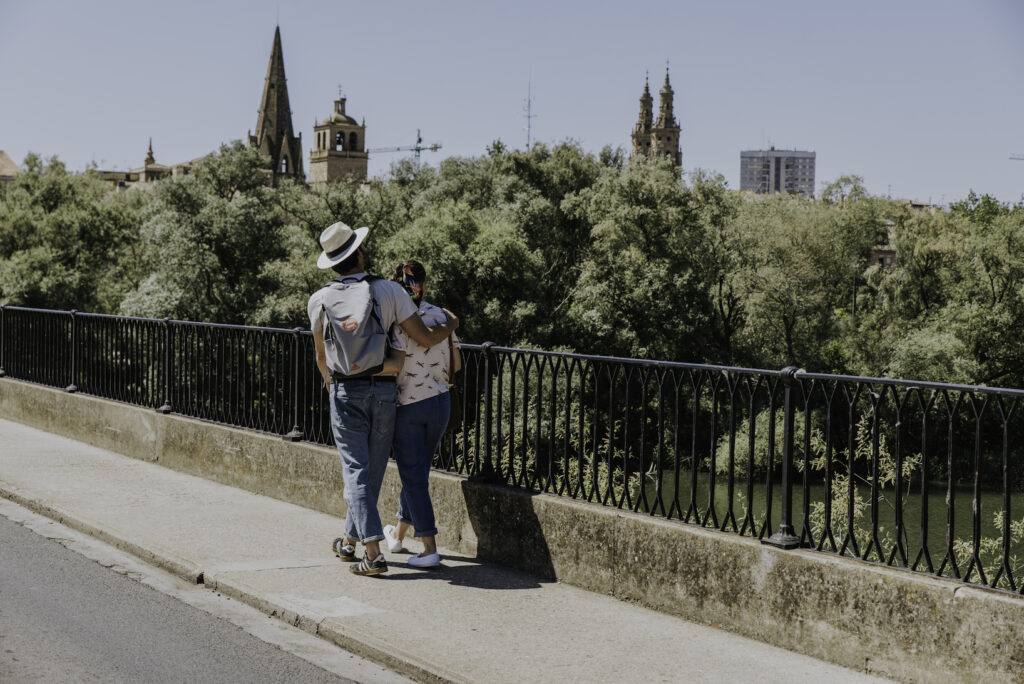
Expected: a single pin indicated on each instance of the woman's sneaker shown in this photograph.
(346, 552)
(430, 560)
(390, 536)
(369, 567)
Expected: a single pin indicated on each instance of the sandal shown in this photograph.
(346, 552)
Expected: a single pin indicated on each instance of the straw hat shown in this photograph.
(339, 243)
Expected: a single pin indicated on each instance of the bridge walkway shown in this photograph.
(465, 622)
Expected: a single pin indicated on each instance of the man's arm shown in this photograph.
(321, 358)
(428, 337)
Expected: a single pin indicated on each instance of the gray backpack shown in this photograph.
(354, 339)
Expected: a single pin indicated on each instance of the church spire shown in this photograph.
(642, 130)
(643, 123)
(274, 136)
(150, 159)
(666, 118)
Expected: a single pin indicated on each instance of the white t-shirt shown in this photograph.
(427, 371)
(392, 303)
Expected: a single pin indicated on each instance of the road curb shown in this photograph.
(388, 655)
(178, 566)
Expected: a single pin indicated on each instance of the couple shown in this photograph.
(377, 345)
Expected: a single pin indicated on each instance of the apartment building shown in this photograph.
(772, 170)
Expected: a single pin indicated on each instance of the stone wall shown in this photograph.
(890, 622)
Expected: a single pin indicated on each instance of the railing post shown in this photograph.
(785, 537)
(296, 434)
(74, 353)
(168, 355)
(3, 330)
(486, 473)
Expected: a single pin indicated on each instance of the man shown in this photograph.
(362, 406)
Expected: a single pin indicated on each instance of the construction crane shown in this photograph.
(417, 148)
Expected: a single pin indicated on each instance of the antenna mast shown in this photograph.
(529, 115)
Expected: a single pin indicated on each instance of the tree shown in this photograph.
(66, 241)
(844, 190)
(979, 209)
(207, 237)
(728, 249)
(802, 264)
(643, 288)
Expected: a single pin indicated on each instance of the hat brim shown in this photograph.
(326, 262)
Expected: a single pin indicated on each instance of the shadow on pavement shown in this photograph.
(468, 573)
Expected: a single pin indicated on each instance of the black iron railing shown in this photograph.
(917, 475)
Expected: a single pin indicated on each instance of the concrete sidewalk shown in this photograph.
(467, 621)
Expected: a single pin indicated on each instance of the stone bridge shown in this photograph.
(863, 616)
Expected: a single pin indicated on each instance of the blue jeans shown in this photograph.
(418, 432)
(363, 421)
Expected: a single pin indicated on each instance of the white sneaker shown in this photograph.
(429, 561)
(394, 543)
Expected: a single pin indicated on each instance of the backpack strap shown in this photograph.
(343, 279)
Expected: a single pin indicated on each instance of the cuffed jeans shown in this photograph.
(363, 422)
(418, 432)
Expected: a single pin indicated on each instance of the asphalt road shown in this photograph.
(66, 618)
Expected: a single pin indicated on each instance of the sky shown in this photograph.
(922, 98)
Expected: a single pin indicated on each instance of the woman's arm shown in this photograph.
(393, 362)
(456, 358)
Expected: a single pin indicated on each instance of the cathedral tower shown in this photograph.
(275, 137)
(642, 130)
(665, 133)
(660, 138)
(340, 148)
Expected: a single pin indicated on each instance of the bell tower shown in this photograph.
(642, 130)
(665, 132)
(340, 147)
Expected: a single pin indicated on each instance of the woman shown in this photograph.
(422, 417)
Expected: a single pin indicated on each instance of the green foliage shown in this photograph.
(799, 264)
(207, 236)
(763, 445)
(549, 247)
(990, 549)
(951, 307)
(844, 190)
(65, 240)
(848, 473)
(983, 209)
(850, 493)
(642, 289)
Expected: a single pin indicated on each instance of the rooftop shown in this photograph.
(7, 165)
(774, 152)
